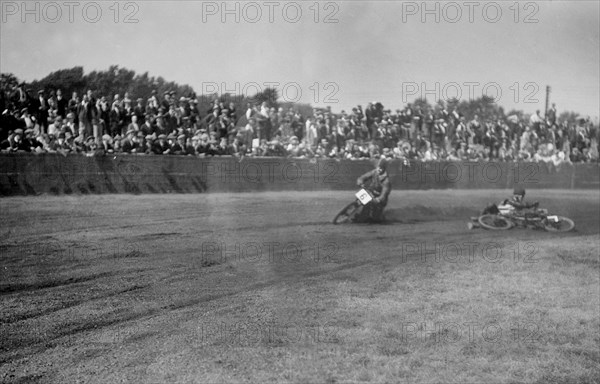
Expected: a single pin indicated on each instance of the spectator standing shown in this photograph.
(535, 121)
(418, 120)
(117, 101)
(52, 110)
(232, 114)
(370, 114)
(41, 107)
(73, 107)
(551, 118)
(429, 124)
(249, 111)
(128, 111)
(247, 134)
(165, 102)
(152, 105)
(61, 104)
(115, 120)
(104, 115)
(20, 97)
(85, 124)
(312, 134)
(139, 110)
(93, 116)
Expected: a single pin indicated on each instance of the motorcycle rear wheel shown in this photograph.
(348, 213)
(494, 222)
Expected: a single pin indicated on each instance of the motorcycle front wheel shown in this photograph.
(348, 213)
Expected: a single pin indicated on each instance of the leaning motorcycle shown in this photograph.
(357, 211)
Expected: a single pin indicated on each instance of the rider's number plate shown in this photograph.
(363, 196)
(553, 218)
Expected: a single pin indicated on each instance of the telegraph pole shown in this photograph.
(547, 100)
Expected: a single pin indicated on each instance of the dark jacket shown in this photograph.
(379, 184)
(519, 205)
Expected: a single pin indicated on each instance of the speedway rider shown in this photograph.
(514, 206)
(516, 201)
(378, 182)
(518, 206)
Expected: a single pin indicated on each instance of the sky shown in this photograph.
(327, 53)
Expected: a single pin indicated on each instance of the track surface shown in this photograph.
(122, 288)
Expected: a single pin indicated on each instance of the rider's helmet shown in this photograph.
(382, 165)
(519, 192)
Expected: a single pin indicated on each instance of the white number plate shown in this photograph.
(364, 197)
(553, 218)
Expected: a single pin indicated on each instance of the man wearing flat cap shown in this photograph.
(189, 148)
(117, 143)
(61, 104)
(139, 110)
(172, 119)
(166, 101)
(127, 113)
(69, 124)
(18, 143)
(29, 139)
(56, 126)
(178, 146)
(160, 145)
(26, 118)
(19, 96)
(116, 119)
(160, 126)
(202, 146)
(127, 144)
(148, 145)
(184, 107)
(139, 142)
(85, 121)
(61, 144)
(41, 107)
(90, 146)
(126, 98)
(171, 139)
(72, 107)
(147, 128)
(152, 104)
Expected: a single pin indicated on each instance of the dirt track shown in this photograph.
(157, 288)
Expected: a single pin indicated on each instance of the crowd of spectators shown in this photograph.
(164, 124)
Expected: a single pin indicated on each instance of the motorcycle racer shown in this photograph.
(378, 182)
(513, 206)
(517, 202)
(515, 212)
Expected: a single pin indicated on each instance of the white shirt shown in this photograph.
(535, 119)
(264, 111)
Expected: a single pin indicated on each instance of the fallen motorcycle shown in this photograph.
(506, 218)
